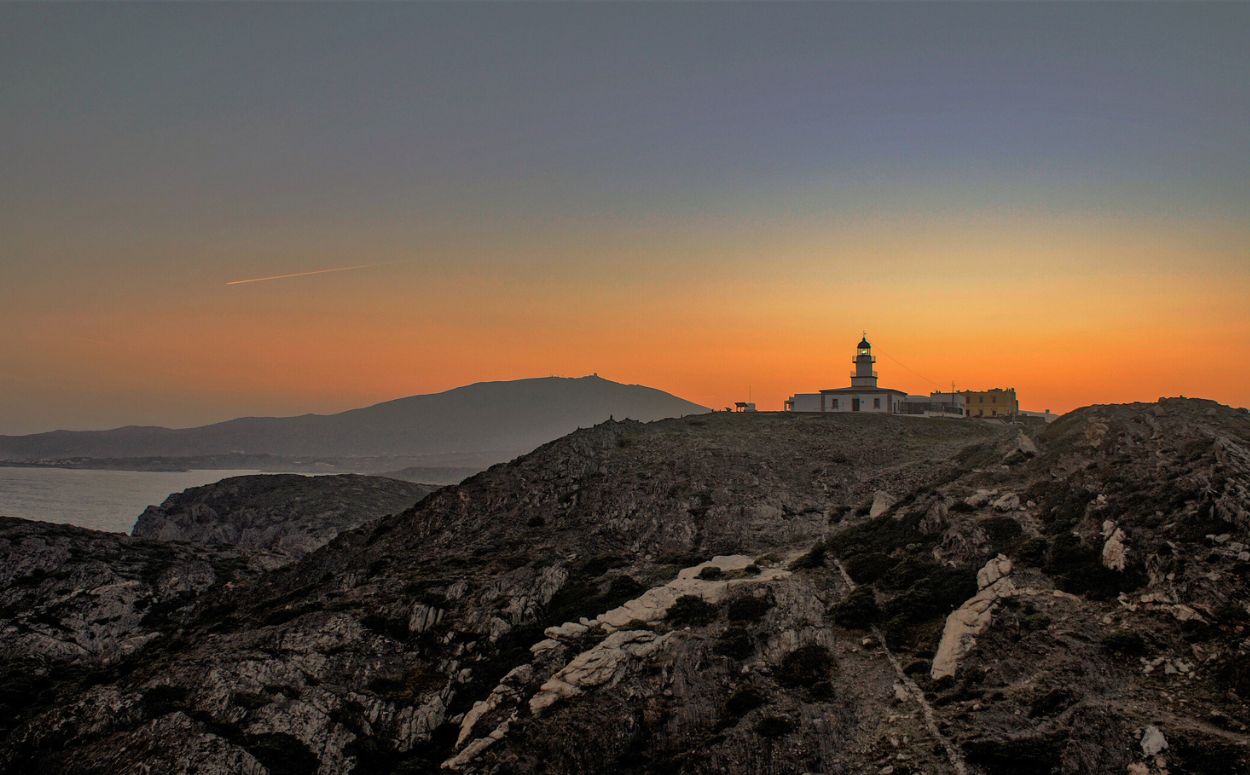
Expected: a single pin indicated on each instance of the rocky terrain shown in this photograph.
(284, 514)
(77, 602)
(729, 593)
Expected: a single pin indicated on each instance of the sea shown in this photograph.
(100, 500)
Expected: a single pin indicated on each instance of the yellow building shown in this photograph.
(996, 402)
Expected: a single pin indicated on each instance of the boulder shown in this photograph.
(1113, 549)
(1007, 502)
(1152, 741)
(965, 624)
(882, 502)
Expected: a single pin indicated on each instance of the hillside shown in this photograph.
(286, 514)
(734, 593)
(76, 602)
(472, 426)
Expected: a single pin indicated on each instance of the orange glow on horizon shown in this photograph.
(1087, 313)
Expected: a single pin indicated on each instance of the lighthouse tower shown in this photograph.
(864, 375)
(862, 396)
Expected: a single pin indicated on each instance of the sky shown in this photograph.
(711, 199)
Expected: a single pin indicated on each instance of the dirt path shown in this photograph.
(953, 754)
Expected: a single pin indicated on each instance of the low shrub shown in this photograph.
(807, 667)
(933, 595)
(1061, 507)
(380, 624)
(581, 596)
(1206, 756)
(858, 610)
(1004, 533)
(600, 564)
(1232, 614)
(690, 610)
(1034, 622)
(771, 727)
(1126, 643)
(815, 558)
(1033, 755)
(161, 700)
(1052, 703)
(281, 753)
(743, 702)
(1077, 568)
(748, 608)
(735, 643)
(869, 568)
(1032, 552)
(880, 536)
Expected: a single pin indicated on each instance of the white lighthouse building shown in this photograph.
(862, 396)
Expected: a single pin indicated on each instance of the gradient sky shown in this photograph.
(712, 199)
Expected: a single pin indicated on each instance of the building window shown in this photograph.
(835, 403)
(876, 403)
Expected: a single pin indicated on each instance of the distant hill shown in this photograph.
(473, 426)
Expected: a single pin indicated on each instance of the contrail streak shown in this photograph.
(306, 274)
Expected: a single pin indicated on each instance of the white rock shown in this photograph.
(1153, 741)
(1113, 550)
(1007, 502)
(997, 568)
(900, 693)
(979, 498)
(423, 617)
(509, 688)
(475, 748)
(959, 635)
(602, 665)
(1025, 445)
(653, 604)
(1184, 613)
(882, 501)
(566, 630)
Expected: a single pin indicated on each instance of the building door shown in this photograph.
(854, 404)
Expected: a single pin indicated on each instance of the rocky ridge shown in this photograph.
(734, 594)
(282, 514)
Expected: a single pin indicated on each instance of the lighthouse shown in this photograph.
(863, 395)
(864, 376)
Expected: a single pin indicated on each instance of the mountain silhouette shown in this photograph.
(476, 424)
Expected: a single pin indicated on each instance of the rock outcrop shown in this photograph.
(972, 618)
(74, 602)
(70, 594)
(284, 514)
